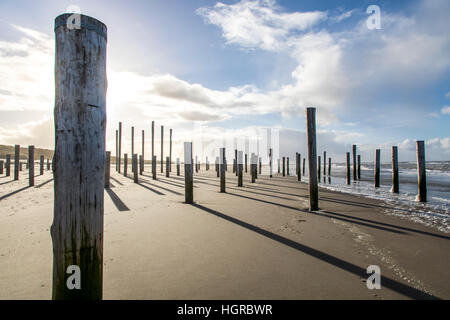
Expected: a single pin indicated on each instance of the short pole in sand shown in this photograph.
(41, 165)
(235, 162)
(132, 149)
(196, 164)
(421, 172)
(16, 161)
(278, 162)
(120, 147)
(80, 121)
(377, 168)
(178, 167)
(154, 168)
(222, 169)
(162, 149)
(312, 159)
(167, 166)
(287, 166)
(284, 166)
(125, 164)
(359, 167)
(143, 145)
(31, 165)
(239, 168)
(134, 168)
(253, 167)
(8, 165)
(348, 168)
(207, 163)
(395, 183)
(188, 176)
(107, 168)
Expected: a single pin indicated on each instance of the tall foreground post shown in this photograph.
(395, 184)
(120, 147)
(354, 162)
(16, 161)
(312, 158)
(79, 160)
(31, 166)
(377, 168)
(188, 177)
(421, 172)
(222, 165)
(162, 148)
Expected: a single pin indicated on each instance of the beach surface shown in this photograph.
(255, 242)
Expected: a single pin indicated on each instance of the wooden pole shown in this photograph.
(196, 164)
(217, 167)
(140, 164)
(1, 166)
(239, 168)
(79, 160)
(8, 165)
(178, 167)
(134, 168)
(153, 145)
(278, 162)
(377, 168)
(125, 164)
(132, 149)
(329, 167)
(48, 164)
(304, 166)
(222, 169)
(162, 149)
(284, 166)
(167, 166)
(41, 165)
(299, 172)
(359, 167)
(170, 150)
(312, 159)
(143, 147)
(235, 162)
(260, 165)
(318, 168)
(421, 172)
(395, 183)
(188, 176)
(154, 167)
(107, 168)
(16, 161)
(271, 161)
(30, 165)
(117, 150)
(354, 162)
(246, 156)
(287, 166)
(324, 164)
(252, 167)
(120, 147)
(348, 168)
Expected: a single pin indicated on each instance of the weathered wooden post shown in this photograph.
(284, 166)
(312, 159)
(79, 160)
(207, 163)
(304, 166)
(222, 169)
(239, 168)
(134, 168)
(140, 164)
(120, 147)
(235, 162)
(143, 143)
(252, 167)
(41, 165)
(287, 166)
(348, 168)
(167, 166)
(48, 164)
(318, 168)
(117, 150)
(217, 167)
(162, 149)
(178, 167)
(107, 168)
(256, 166)
(271, 161)
(16, 161)
(170, 150)
(324, 164)
(377, 168)
(153, 145)
(395, 183)
(299, 174)
(329, 167)
(196, 164)
(278, 163)
(8, 165)
(125, 164)
(260, 165)
(354, 162)
(26, 165)
(188, 170)
(421, 172)
(20, 166)
(1, 166)
(154, 168)
(359, 167)
(30, 165)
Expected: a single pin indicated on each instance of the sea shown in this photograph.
(434, 213)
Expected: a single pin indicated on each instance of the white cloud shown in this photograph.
(447, 95)
(445, 110)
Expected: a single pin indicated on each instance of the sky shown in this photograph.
(231, 69)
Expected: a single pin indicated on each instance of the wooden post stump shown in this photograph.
(354, 162)
(359, 167)
(284, 166)
(162, 149)
(134, 168)
(120, 148)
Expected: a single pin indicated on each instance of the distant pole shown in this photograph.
(143, 143)
(167, 166)
(222, 169)
(48, 164)
(287, 166)
(348, 168)
(354, 162)
(235, 162)
(141, 163)
(178, 166)
(16, 161)
(41, 165)
(260, 165)
(239, 168)
(324, 164)
(132, 149)
(196, 164)
(107, 168)
(377, 168)
(125, 164)
(30, 165)
(312, 159)
(8, 165)
(299, 172)
(134, 168)
(421, 172)
(252, 167)
(162, 148)
(278, 162)
(79, 159)
(153, 145)
(217, 167)
(170, 150)
(120, 146)
(1, 166)
(304, 166)
(329, 167)
(270, 161)
(246, 162)
(284, 166)
(395, 184)
(154, 167)
(188, 176)
(318, 167)
(117, 150)
(359, 167)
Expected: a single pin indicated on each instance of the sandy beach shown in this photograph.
(255, 242)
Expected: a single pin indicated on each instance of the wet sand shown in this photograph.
(255, 242)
